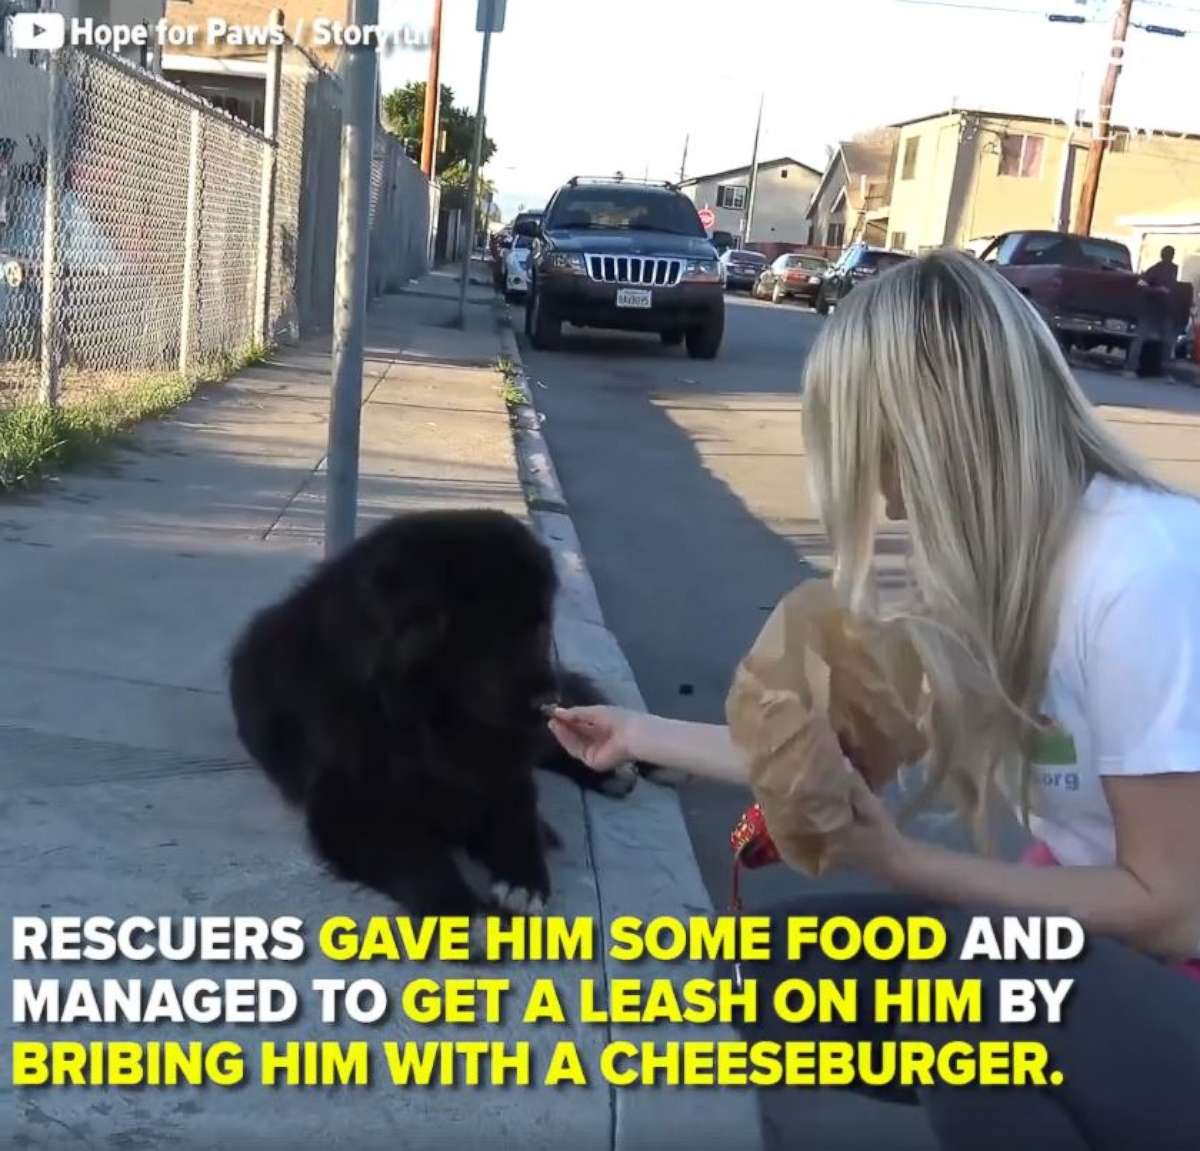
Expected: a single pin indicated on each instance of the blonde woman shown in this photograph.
(1056, 604)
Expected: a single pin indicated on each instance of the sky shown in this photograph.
(596, 86)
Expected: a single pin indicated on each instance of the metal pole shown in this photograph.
(51, 288)
(350, 290)
(433, 95)
(1066, 180)
(191, 246)
(476, 160)
(683, 163)
(753, 177)
(1099, 144)
(266, 202)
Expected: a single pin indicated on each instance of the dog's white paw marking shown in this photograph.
(518, 900)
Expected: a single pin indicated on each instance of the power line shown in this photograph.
(972, 7)
(1195, 11)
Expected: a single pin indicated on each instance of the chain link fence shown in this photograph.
(143, 231)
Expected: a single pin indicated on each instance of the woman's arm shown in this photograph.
(698, 748)
(1150, 899)
(605, 737)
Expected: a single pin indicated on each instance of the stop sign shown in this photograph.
(707, 218)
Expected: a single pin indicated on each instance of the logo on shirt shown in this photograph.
(1053, 752)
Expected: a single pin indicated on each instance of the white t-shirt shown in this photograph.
(1124, 678)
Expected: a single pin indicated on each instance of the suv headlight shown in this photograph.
(702, 271)
(569, 262)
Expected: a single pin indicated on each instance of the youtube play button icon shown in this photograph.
(38, 31)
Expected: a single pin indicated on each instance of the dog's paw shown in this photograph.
(619, 782)
(518, 900)
(477, 938)
(663, 776)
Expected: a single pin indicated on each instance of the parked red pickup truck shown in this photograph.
(1088, 293)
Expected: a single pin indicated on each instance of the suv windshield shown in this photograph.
(625, 208)
(743, 257)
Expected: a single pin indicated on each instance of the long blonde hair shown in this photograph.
(943, 373)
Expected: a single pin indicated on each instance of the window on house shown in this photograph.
(1021, 156)
(911, 146)
(899, 241)
(731, 196)
(783, 173)
(834, 235)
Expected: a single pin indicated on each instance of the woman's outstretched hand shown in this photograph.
(599, 737)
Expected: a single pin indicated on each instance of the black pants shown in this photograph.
(1128, 1044)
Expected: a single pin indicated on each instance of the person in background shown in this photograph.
(1165, 273)
(1055, 602)
(1153, 323)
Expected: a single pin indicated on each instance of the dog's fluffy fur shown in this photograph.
(396, 694)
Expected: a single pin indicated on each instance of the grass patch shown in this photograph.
(35, 437)
(510, 390)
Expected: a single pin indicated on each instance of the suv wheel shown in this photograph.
(704, 340)
(672, 338)
(545, 330)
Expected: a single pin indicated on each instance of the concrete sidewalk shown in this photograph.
(124, 790)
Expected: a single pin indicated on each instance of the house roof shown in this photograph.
(871, 158)
(1188, 219)
(1036, 119)
(791, 161)
(867, 156)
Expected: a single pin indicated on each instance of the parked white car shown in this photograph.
(516, 268)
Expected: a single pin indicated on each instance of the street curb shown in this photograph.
(641, 852)
(579, 614)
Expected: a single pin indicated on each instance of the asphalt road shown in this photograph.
(687, 485)
(686, 480)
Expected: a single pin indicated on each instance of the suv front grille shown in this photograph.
(644, 271)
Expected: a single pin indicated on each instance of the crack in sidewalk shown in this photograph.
(317, 468)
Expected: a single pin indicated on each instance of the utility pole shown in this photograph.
(1100, 130)
(433, 96)
(361, 91)
(683, 163)
(753, 176)
(1066, 181)
(489, 19)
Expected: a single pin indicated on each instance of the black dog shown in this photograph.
(398, 694)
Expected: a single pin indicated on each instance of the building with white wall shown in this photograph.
(785, 187)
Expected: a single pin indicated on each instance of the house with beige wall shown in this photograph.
(964, 176)
(233, 75)
(851, 201)
(781, 198)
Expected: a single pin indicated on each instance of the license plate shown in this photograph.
(633, 298)
(1116, 326)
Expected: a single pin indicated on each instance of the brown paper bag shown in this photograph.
(821, 685)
